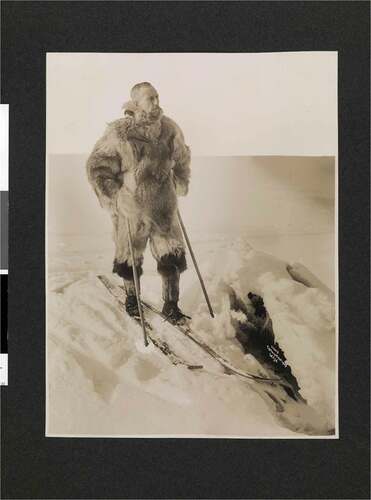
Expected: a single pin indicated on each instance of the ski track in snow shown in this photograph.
(101, 381)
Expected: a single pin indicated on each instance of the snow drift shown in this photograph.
(102, 382)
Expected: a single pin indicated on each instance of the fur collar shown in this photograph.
(127, 128)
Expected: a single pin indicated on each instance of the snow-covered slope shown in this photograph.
(101, 381)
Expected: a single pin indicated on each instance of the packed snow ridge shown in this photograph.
(102, 381)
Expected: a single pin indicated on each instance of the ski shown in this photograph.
(119, 294)
(228, 367)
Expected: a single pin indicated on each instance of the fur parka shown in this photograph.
(140, 168)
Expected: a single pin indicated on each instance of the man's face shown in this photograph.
(148, 101)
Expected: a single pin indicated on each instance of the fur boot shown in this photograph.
(131, 303)
(170, 295)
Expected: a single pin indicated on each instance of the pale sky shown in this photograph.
(226, 104)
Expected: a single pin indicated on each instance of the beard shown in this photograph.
(156, 114)
(143, 118)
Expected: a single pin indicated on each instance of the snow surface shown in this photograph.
(102, 381)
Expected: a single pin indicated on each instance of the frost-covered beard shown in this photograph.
(148, 124)
(144, 119)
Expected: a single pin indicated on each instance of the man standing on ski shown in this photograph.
(137, 169)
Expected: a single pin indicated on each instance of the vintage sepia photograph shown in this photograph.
(191, 245)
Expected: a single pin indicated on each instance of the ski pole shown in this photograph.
(136, 284)
(195, 264)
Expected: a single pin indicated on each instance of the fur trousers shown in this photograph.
(167, 247)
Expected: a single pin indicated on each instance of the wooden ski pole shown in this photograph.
(195, 264)
(136, 284)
